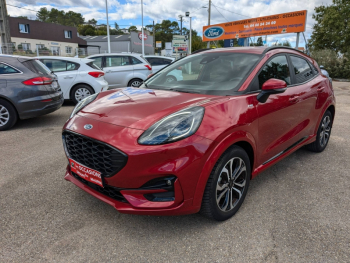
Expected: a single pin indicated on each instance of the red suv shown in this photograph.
(181, 147)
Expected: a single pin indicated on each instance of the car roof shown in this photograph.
(72, 59)
(252, 50)
(118, 54)
(155, 56)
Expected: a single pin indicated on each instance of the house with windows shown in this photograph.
(51, 39)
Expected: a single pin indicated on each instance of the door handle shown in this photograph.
(68, 77)
(320, 89)
(293, 99)
(108, 71)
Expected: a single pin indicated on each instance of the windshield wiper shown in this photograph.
(184, 91)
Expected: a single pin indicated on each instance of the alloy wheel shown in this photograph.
(81, 94)
(4, 115)
(325, 131)
(169, 79)
(136, 83)
(231, 183)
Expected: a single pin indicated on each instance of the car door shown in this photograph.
(280, 117)
(65, 71)
(142, 68)
(118, 70)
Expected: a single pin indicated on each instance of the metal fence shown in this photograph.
(20, 50)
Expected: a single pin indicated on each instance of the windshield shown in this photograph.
(207, 73)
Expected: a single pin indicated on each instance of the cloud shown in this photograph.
(158, 10)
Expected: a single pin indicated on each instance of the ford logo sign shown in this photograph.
(214, 32)
(88, 127)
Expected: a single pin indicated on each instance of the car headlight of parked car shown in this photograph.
(83, 103)
(174, 127)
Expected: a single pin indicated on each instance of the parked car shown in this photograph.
(194, 145)
(27, 89)
(123, 69)
(78, 77)
(159, 62)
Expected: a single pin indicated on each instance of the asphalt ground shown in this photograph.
(297, 211)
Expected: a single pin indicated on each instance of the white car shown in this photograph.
(78, 77)
(159, 62)
(123, 69)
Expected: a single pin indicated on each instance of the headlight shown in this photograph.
(83, 103)
(174, 127)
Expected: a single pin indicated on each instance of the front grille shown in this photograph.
(109, 191)
(94, 154)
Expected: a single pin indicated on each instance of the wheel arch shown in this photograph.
(134, 78)
(80, 83)
(331, 108)
(242, 139)
(11, 102)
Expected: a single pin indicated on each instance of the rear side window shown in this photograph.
(93, 65)
(6, 69)
(117, 61)
(276, 68)
(167, 61)
(302, 70)
(55, 65)
(97, 61)
(37, 67)
(72, 66)
(157, 61)
(135, 61)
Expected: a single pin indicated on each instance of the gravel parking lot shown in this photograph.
(297, 211)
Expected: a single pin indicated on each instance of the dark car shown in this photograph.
(27, 89)
(172, 148)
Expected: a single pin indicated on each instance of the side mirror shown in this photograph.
(272, 86)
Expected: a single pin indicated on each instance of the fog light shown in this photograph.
(168, 182)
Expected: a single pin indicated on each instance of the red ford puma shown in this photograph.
(180, 147)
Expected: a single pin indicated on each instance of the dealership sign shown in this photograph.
(293, 22)
(144, 36)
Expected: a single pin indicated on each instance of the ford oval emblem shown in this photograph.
(214, 32)
(88, 127)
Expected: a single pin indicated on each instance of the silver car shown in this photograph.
(123, 69)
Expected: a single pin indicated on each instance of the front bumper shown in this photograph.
(183, 159)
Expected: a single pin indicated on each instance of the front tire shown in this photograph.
(227, 185)
(8, 115)
(135, 83)
(323, 134)
(80, 92)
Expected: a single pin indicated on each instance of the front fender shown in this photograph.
(216, 153)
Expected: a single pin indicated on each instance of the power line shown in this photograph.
(220, 13)
(230, 11)
(23, 8)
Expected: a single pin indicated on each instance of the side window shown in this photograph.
(6, 69)
(117, 61)
(55, 65)
(72, 66)
(167, 61)
(135, 61)
(276, 68)
(98, 61)
(302, 70)
(152, 61)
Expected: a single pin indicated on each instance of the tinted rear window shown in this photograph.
(36, 67)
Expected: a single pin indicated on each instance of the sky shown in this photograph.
(128, 12)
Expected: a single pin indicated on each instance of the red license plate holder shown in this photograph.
(86, 173)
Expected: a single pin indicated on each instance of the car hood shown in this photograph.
(140, 108)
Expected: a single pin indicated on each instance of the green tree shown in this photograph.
(92, 21)
(133, 29)
(43, 14)
(25, 17)
(259, 42)
(86, 30)
(332, 27)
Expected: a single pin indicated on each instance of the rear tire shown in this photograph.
(323, 134)
(135, 83)
(80, 92)
(227, 185)
(8, 115)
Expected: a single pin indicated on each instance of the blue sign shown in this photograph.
(229, 43)
(214, 32)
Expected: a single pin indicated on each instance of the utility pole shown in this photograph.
(209, 13)
(154, 38)
(108, 38)
(297, 43)
(181, 16)
(143, 39)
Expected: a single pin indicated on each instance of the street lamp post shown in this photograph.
(108, 38)
(190, 45)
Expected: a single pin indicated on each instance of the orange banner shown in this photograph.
(292, 22)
